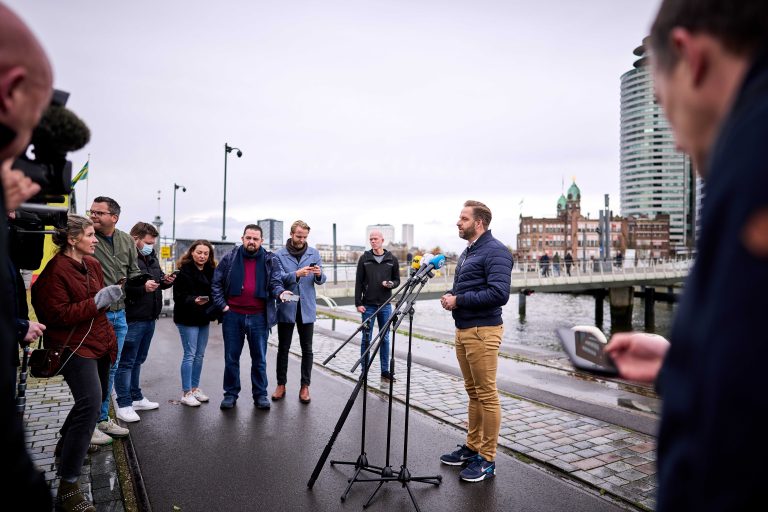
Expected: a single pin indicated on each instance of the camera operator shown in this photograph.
(25, 89)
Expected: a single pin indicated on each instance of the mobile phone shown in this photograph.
(292, 298)
(584, 345)
(313, 264)
(122, 281)
(203, 297)
(175, 272)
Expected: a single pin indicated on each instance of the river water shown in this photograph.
(545, 312)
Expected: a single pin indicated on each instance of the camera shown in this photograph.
(44, 162)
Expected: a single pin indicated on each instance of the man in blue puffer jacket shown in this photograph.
(480, 288)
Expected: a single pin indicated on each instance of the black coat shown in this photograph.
(140, 305)
(191, 283)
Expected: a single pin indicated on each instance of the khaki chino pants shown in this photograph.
(477, 349)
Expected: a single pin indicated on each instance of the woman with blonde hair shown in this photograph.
(191, 314)
(70, 298)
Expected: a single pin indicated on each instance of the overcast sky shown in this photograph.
(348, 111)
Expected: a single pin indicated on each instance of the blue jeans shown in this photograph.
(235, 328)
(135, 350)
(117, 319)
(194, 339)
(381, 318)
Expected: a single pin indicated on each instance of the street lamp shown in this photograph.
(227, 150)
(175, 188)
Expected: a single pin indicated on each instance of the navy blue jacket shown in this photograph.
(221, 278)
(711, 435)
(481, 283)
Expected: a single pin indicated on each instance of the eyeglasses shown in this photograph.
(94, 213)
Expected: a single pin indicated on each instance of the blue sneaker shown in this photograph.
(262, 402)
(458, 457)
(478, 469)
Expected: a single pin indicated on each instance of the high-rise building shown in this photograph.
(273, 233)
(656, 179)
(408, 235)
(387, 231)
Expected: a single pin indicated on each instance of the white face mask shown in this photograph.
(147, 249)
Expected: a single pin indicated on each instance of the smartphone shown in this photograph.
(175, 272)
(313, 264)
(292, 298)
(122, 281)
(584, 347)
(203, 297)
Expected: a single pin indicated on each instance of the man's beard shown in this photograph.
(468, 233)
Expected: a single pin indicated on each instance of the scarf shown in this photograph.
(293, 251)
(238, 271)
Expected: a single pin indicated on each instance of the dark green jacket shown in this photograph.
(118, 260)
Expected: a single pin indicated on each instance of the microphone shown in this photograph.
(430, 263)
(415, 264)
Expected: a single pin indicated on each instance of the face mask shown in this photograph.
(147, 249)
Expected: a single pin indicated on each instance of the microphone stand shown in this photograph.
(361, 464)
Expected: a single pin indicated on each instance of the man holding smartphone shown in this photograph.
(301, 270)
(709, 60)
(142, 309)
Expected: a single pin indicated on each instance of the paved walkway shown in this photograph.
(618, 461)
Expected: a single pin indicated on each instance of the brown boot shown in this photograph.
(71, 498)
(279, 393)
(304, 394)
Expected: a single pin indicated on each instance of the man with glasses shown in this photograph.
(116, 251)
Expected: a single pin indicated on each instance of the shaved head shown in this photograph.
(26, 82)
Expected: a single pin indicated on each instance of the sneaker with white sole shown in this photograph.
(190, 400)
(111, 428)
(127, 414)
(144, 405)
(199, 395)
(99, 438)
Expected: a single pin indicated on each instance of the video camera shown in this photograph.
(59, 132)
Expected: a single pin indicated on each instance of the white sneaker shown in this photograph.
(127, 414)
(199, 395)
(113, 429)
(144, 405)
(99, 438)
(190, 400)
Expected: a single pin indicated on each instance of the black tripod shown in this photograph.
(405, 304)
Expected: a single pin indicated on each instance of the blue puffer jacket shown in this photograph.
(304, 288)
(481, 283)
(221, 279)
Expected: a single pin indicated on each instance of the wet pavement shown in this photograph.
(551, 458)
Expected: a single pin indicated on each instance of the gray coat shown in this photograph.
(304, 288)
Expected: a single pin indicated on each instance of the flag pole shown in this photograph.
(87, 181)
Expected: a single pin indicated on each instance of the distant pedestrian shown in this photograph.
(70, 297)
(480, 288)
(301, 271)
(142, 309)
(378, 271)
(245, 286)
(544, 264)
(568, 263)
(192, 314)
(556, 264)
(618, 259)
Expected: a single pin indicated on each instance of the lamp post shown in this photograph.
(227, 150)
(175, 188)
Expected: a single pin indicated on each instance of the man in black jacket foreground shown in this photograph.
(480, 288)
(710, 67)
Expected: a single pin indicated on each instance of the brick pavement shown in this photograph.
(48, 403)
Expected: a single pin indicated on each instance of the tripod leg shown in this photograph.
(372, 495)
(413, 498)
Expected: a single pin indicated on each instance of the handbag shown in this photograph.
(46, 362)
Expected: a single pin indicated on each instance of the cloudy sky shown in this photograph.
(351, 112)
